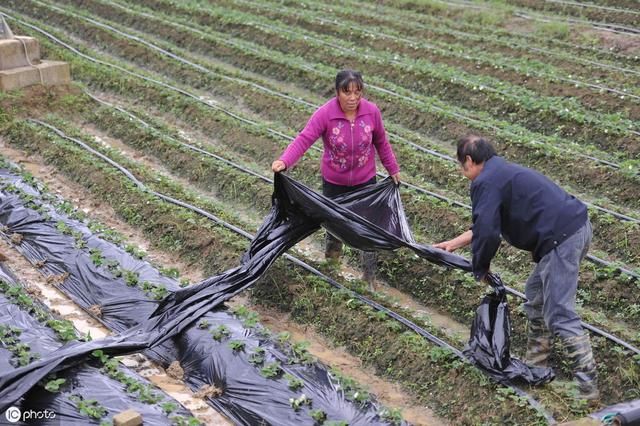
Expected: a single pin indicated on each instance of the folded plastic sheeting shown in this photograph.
(242, 392)
(488, 346)
(84, 380)
(369, 219)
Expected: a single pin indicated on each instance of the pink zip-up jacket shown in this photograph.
(348, 157)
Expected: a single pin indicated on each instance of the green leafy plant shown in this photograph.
(220, 332)
(294, 382)
(257, 357)
(270, 370)
(89, 407)
(297, 403)
(159, 292)
(182, 421)
(318, 415)
(135, 251)
(237, 345)
(168, 407)
(170, 272)
(96, 256)
(131, 278)
(54, 385)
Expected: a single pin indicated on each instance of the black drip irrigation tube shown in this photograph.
(591, 258)
(207, 71)
(449, 31)
(211, 104)
(406, 322)
(265, 179)
(489, 89)
(510, 290)
(278, 133)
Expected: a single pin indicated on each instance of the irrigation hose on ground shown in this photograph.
(414, 327)
(265, 179)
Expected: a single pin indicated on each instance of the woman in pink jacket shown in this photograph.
(350, 127)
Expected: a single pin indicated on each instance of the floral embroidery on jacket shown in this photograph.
(364, 147)
(339, 143)
(337, 148)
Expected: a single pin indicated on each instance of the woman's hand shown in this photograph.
(278, 166)
(396, 178)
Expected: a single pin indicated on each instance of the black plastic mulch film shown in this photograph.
(247, 397)
(297, 212)
(85, 381)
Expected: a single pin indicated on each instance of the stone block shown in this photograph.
(53, 72)
(12, 54)
(127, 418)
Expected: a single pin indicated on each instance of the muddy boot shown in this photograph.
(332, 248)
(539, 341)
(583, 365)
(368, 261)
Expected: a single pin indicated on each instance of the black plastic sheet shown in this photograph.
(247, 396)
(84, 379)
(488, 346)
(369, 219)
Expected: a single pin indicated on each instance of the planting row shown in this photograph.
(625, 14)
(450, 83)
(580, 80)
(440, 175)
(89, 393)
(111, 284)
(227, 249)
(259, 147)
(215, 174)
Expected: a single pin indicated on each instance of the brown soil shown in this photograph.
(208, 391)
(390, 394)
(175, 371)
(621, 43)
(60, 304)
(95, 310)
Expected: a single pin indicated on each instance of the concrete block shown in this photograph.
(53, 72)
(12, 53)
(127, 418)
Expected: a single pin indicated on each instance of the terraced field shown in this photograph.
(194, 99)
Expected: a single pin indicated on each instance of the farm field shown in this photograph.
(192, 100)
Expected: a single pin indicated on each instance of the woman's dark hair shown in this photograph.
(479, 149)
(345, 77)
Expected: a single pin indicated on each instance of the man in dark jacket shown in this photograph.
(531, 213)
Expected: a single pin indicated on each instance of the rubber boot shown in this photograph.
(332, 248)
(539, 341)
(368, 261)
(583, 365)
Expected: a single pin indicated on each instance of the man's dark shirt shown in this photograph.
(530, 211)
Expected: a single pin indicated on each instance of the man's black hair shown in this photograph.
(479, 149)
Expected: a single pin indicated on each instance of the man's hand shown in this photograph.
(278, 166)
(460, 241)
(447, 246)
(396, 178)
